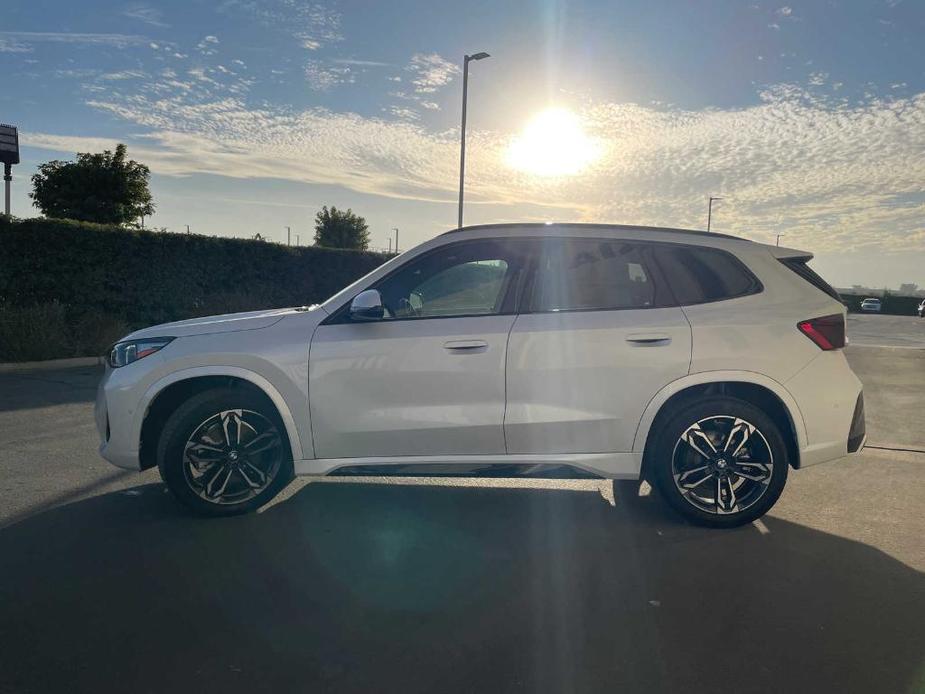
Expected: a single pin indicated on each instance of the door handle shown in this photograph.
(651, 339)
(465, 345)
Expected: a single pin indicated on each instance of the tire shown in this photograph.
(740, 487)
(224, 452)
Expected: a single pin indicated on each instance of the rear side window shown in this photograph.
(701, 275)
(594, 274)
(799, 266)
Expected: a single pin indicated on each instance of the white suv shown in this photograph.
(705, 363)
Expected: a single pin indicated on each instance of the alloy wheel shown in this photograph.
(232, 456)
(722, 464)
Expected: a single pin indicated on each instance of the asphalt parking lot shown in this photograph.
(106, 585)
(873, 329)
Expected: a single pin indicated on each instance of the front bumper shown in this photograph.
(117, 398)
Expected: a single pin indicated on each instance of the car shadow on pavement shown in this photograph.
(370, 588)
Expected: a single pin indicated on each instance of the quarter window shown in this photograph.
(701, 275)
(593, 274)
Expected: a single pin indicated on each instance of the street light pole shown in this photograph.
(778, 239)
(462, 134)
(7, 178)
(9, 155)
(395, 229)
(710, 212)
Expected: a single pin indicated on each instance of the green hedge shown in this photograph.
(133, 278)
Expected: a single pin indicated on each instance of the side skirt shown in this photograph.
(549, 466)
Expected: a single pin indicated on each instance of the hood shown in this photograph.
(227, 323)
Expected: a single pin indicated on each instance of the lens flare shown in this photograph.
(553, 144)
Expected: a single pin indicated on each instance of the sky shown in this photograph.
(806, 118)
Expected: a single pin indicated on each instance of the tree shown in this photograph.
(338, 229)
(106, 188)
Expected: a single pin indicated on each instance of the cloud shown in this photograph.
(207, 45)
(322, 76)
(832, 174)
(431, 72)
(359, 63)
(75, 73)
(311, 24)
(123, 75)
(145, 13)
(403, 113)
(8, 45)
(818, 78)
(114, 40)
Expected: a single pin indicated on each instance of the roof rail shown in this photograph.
(586, 225)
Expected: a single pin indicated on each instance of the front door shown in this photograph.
(427, 379)
(598, 338)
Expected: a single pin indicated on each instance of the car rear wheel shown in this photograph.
(224, 452)
(720, 462)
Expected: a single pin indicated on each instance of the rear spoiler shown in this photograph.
(798, 262)
(790, 254)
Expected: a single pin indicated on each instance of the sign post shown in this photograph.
(9, 155)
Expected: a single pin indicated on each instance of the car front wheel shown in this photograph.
(224, 452)
(720, 462)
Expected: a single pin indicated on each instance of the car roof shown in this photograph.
(579, 226)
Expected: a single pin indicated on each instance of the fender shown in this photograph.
(244, 374)
(705, 377)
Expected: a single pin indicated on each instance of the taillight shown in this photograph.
(828, 332)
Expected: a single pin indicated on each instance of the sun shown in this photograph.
(553, 143)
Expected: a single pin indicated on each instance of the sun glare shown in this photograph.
(553, 144)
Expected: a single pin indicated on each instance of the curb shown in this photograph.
(50, 364)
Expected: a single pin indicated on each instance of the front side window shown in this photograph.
(593, 274)
(465, 279)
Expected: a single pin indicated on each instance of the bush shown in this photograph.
(105, 279)
(33, 333)
(94, 333)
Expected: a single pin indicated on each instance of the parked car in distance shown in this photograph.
(871, 305)
(708, 364)
(921, 309)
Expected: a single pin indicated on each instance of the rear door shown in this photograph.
(598, 337)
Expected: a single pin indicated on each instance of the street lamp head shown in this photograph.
(478, 56)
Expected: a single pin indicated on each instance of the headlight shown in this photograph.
(126, 352)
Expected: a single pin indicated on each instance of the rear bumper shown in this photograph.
(831, 402)
(858, 432)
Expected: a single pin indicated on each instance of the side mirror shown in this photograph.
(367, 306)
